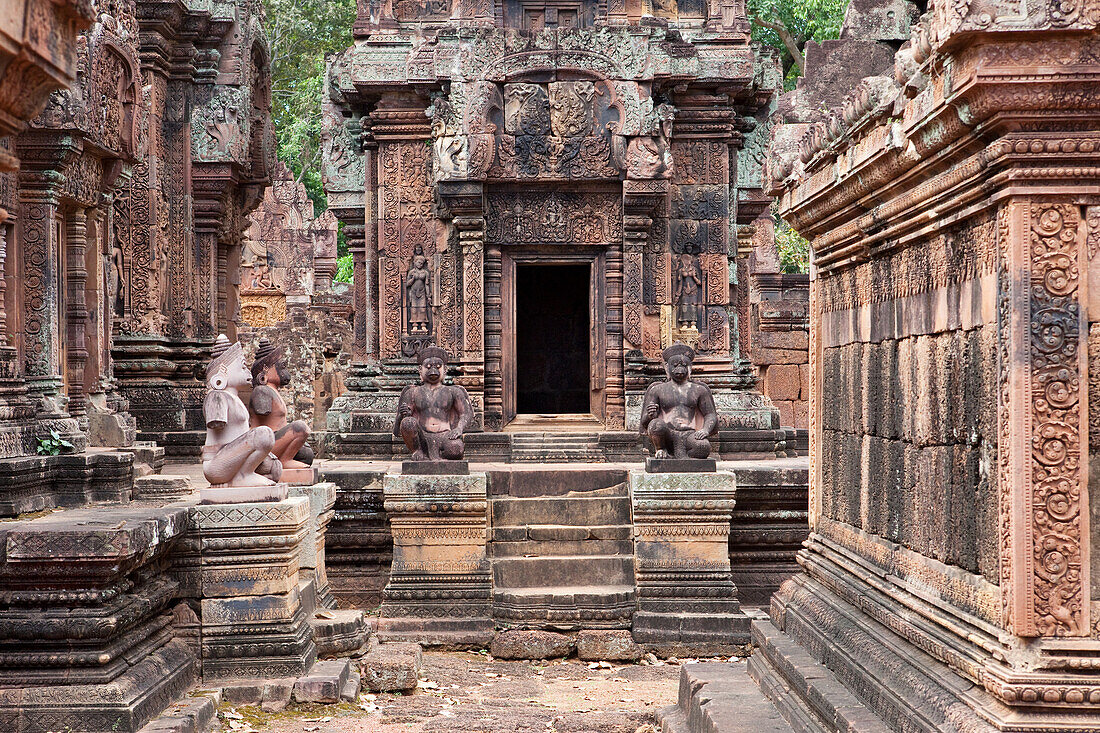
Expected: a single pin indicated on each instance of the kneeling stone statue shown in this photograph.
(432, 416)
(234, 454)
(678, 414)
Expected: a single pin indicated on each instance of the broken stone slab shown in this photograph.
(324, 682)
(391, 667)
(350, 691)
(608, 645)
(191, 714)
(522, 644)
(338, 633)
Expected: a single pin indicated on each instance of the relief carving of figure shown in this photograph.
(650, 156)
(116, 286)
(234, 453)
(678, 414)
(267, 407)
(688, 291)
(432, 416)
(573, 108)
(450, 153)
(417, 287)
(526, 109)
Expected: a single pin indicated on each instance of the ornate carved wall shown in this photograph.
(38, 54)
(107, 301)
(951, 207)
(512, 137)
(211, 154)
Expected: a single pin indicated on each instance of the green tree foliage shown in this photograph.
(788, 24)
(794, 249)
(302, 33)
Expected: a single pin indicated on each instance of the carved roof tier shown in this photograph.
(460, 54)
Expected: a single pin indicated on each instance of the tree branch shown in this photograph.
(788, 40)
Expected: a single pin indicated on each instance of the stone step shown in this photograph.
(807, 693)
(720, 698)
(563, 548)
(559, 483)
(556, 456)
(541, 572)
(560, 533)
(592, 596)
(579, 511)
(324, 683)
(191, 714)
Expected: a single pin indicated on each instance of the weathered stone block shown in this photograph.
(391, 667)
(610, 645)
(324, 682)
(520, 644)
(440, 570)
(783, 381)
(682, 564)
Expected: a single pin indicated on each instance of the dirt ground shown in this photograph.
(471, 693)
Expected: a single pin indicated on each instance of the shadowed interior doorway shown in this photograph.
(552, 337)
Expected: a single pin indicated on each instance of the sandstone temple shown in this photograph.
(568, 403)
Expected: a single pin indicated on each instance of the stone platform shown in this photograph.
(86, 633)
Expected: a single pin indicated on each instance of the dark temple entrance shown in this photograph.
(552, 337)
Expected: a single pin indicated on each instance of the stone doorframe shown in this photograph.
(595, 257)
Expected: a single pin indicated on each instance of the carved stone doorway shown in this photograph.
(553, 341)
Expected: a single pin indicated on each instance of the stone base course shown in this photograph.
(519, 644)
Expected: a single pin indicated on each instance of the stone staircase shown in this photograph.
(563, 557)
(551, 447)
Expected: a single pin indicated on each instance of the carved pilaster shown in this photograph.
(1043, 416)
(76, 309)
(39, 233)
(494, 375)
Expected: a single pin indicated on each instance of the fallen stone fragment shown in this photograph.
(392, 666)
(615, 646)
(324, 682)
(517, 644)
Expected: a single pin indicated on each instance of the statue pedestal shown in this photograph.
(680, 465)
(435, 468)
(299, 476)
(687, 602)
(242, 494)
(439, 587)
(256, 605)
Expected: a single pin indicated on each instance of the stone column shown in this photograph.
(439, 586)
(76, 309)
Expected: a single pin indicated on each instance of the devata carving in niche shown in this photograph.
(234, 454)
(688, 293)
(267, 407)
(678, 414)
(432, 416)
(417, 284)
